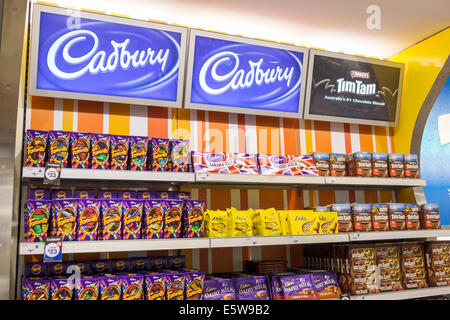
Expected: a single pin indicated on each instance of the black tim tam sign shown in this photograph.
(353, 89)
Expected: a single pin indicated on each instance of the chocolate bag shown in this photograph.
(154, 217)
(59, 147)
(194, 284)
(267, 223)
(60, 289)
(155, 286)
(239, 223)
(160, 160)
(251, 288)
(362, 217)
(80, 146)
(88, 219)
(225, 162)
(36, 150)
(219, 289)
(35, 289)
(112, 211)
(216, 223)
(175, 285)
(173, 219)
(326, 285)
(298, 287)
(193, 218)
(179, 155)
(287, 165)
(303, 222)
(119, 152)
(110, 287)
(88, 289)
(132, 286)
(132, 219)
(101, 151)
(65, 219)
(37, 220)
(138, 153)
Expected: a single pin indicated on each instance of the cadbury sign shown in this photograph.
(235, 74)
(90, 56)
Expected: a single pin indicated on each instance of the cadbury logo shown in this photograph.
(215, 157)
(359, 74)
(278, 159)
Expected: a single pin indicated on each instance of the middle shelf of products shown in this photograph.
(37, 248)
(32, 174)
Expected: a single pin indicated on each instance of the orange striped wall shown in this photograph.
(218, 131)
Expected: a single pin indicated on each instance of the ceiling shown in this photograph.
(331, 25)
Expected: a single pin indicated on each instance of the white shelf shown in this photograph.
(256, 179)
(113, 175)
(405, 294)
(393, 235)
(372, 181)
(118, 245)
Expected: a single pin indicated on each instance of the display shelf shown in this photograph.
(393, 235)
(27, 248)
(276, 240)
(373, 181)
(405, 294)
(113, 175)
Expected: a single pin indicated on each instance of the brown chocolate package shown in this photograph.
(389, 268)
(397, 216)
(396, 166)
(360, 164)
(437, 255)
(322, 162)
(362, 217)
(429, 216)
(411, 164)
(362, 261)
(380, 165)
(338, 166)
(412, 212)
(380, 216)
(344, 216)
(413, 265)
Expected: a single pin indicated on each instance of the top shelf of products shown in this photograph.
(32, 174)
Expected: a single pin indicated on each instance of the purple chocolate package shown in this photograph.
(101, 266)
(145, 195)
(57, 268)
(61, 194)
(225, 162)
(61, 288)
(298, 287)
(37, 220)
(36, 148)
(112, 219)
(126, 195)
(176, 262)
(80, 146)
(172, 219)
(132, 219)
(219, 289)
(119, 266)
(155, 285)
(101, 151)
(175, 285)
(162, 195)
(180, 155)
(64, 219)
(59, 147)
(132, 286)
(85, 266)
(35, 269)
(89, 216)
(107, 194)
(154, 213)
(138, 153)
(88, 289)
(159, 263)
(251, 288)
(160, 160)
(275, 288)
(326, 285)
(138, 265)
(35, 288)
(39, 193)
(180, 195)
(193, 218)
(110, 287)
(84, 194)
(194, 284)
(119, 152)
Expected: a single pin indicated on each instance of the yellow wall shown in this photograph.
(423, 62)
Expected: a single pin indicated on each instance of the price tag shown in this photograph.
(355, 236)
(293, 240)
(331, 180)
(53, 249)
(251, 241)
(344, 296)
(52, 174)
(202, 176)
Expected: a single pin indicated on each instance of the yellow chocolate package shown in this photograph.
(303, 222)
(328, 222)
(240, 223)
(267, 223)
(284, 221)
(216, 223)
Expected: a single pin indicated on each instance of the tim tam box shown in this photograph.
(380, 164)
(338, 166)
(429, 216)
(396, 165)
(344, 216)
(360, 164)
(411, 163)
